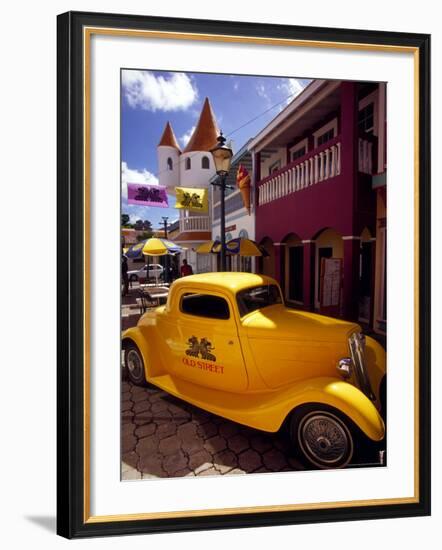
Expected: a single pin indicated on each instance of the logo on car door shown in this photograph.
(200, 348)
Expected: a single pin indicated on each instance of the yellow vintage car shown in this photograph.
(226, 343)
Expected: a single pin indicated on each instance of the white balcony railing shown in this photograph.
(195, 223)
(310, 170)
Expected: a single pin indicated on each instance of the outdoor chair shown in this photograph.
(146, 301)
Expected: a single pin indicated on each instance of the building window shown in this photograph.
(366, 119)
(298, 153)
(274, 167)
(169, 164)
(326, 136)
(187, 164)
(205, 163)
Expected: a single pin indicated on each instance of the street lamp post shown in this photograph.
(222, 157)
(166, 259)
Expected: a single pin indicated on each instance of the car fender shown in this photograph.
(375, 360)
(267, 410)
(152, 362)
(342, 396)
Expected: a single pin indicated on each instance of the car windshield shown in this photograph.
(258, 297)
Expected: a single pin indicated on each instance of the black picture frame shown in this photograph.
(72, 520)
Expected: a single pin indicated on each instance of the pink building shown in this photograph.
(320, 177)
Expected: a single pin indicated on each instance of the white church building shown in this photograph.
(192, 167)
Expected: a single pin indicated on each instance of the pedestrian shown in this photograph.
(124, 276)
(186, 269)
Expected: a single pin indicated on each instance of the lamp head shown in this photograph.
(222, 156)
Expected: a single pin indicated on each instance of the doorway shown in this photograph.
(295, 290)
(323, 252)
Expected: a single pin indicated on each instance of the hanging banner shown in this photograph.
(192, 199)
(147, 195)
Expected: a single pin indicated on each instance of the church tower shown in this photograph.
(196, 163)
(168, 152)
(193, 167)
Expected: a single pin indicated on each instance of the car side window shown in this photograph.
(205, 305)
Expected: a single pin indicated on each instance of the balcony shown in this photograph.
(195, 223)
(316, 167)
(313, 168)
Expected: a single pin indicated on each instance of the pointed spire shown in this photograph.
(168, 138)
(206, 131)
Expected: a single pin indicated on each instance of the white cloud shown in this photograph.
(291, 87)
(173, 92)
(261, 89)
(184, 139)
(135, 212)
(128, 175)
(263, 92)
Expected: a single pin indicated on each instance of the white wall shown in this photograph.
(196, 176)
(28, 361)
(169, 178)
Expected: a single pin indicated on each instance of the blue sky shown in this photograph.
(151, 98)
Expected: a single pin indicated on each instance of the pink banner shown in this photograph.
(147, 195)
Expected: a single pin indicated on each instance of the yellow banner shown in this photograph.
(188, 198)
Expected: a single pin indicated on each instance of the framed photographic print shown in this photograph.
(228, 274)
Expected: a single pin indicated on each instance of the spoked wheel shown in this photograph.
(134, 364)
(323, 438)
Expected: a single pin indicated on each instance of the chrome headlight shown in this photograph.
(345, 367)
(356, 343)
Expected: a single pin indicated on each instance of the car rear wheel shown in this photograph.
(322, 437)
(134, 363)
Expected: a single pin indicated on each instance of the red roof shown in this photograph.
(206, 131)
(168, 138)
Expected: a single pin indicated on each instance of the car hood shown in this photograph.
(280, 322)
(289, 345)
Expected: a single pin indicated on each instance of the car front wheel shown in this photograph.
(322, 437)
(134, 363)
(133, 278)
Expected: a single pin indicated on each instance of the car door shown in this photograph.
(204, 342)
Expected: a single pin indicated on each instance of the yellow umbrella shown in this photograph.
(244, 247)
(160, 247)
(209, 247)
(239, 246)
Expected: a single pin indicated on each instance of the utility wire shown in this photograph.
(285, 100)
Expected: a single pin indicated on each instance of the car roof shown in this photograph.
(231, 281)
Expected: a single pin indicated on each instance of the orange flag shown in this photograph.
(243, 182)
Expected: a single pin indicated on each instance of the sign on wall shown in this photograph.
(331, 285)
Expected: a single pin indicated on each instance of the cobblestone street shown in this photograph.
(165, 437)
